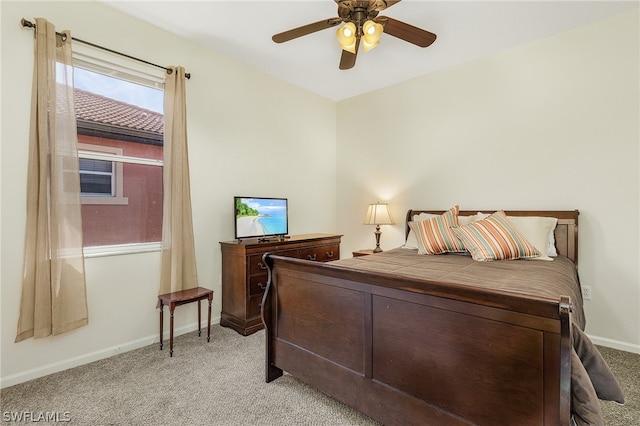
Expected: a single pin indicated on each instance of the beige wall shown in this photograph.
(550, 125)
(240, 143)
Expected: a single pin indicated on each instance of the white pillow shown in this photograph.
(465, 220)
(423, 216)
(551, 242)
(412, 241)
(538, 231)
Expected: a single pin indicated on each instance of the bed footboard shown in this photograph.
(428, 355)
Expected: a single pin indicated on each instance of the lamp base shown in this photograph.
(377, 233)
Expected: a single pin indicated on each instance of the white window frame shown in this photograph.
(102, 62)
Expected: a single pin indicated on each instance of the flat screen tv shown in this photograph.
(260, 217)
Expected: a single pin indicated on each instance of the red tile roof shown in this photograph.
(100, 109)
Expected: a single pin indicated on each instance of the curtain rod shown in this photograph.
(30, 24)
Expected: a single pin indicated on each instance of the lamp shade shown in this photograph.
(378, 214)
(346, 36)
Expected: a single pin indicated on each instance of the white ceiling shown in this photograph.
(466, 30)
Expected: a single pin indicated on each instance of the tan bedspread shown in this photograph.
(550, 279)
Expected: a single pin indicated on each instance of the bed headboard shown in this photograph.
(566, 232)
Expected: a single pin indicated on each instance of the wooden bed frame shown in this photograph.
(407, 351)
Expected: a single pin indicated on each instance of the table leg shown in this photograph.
(209, 319)
(172, 308)
(198, 301)
(161, 321)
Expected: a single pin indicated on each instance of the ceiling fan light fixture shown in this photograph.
(372, 31)
(350, 48)
(362, 25)
(368, 46)
(346, 36)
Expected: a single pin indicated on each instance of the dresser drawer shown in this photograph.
(322, 253)
(254, 305)
(257, 265)
(257, 283)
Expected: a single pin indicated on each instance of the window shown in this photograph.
(120, 142)
(97, 178)
(101, 179)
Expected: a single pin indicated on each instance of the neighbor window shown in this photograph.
(120, 149)
(97, 178)
(101, 178)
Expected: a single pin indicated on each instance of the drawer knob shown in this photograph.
(261, 266)
(311, 256)
(329, 254)
(262, 286)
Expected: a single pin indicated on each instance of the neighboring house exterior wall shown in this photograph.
(139, 219)
(133, 214)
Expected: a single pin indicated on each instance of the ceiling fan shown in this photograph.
(362, 26)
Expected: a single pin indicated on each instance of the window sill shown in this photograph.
(120, 201)
(121, 249)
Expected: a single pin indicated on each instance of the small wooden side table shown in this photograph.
(363, 252)
(182, 297)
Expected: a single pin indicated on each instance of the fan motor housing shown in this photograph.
(359, 10)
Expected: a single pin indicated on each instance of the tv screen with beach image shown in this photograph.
(260, 217)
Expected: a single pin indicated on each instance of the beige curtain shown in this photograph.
(53, 288)
(178, 249)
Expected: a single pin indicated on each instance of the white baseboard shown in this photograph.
(615, 344)
(56, 367)
(149, 340)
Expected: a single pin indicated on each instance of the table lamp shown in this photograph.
(378, 214)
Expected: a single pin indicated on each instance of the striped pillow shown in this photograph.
(435, 235)
(495, 238)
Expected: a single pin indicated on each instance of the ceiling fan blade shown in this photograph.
(407, 32)
(348, 59)
(305, 29)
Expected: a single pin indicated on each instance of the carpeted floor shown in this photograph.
(626, 367)
(216, 383)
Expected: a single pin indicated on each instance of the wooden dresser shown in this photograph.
(244, 273)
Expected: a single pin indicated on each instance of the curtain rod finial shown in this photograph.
(26, 23)
(187, 74)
